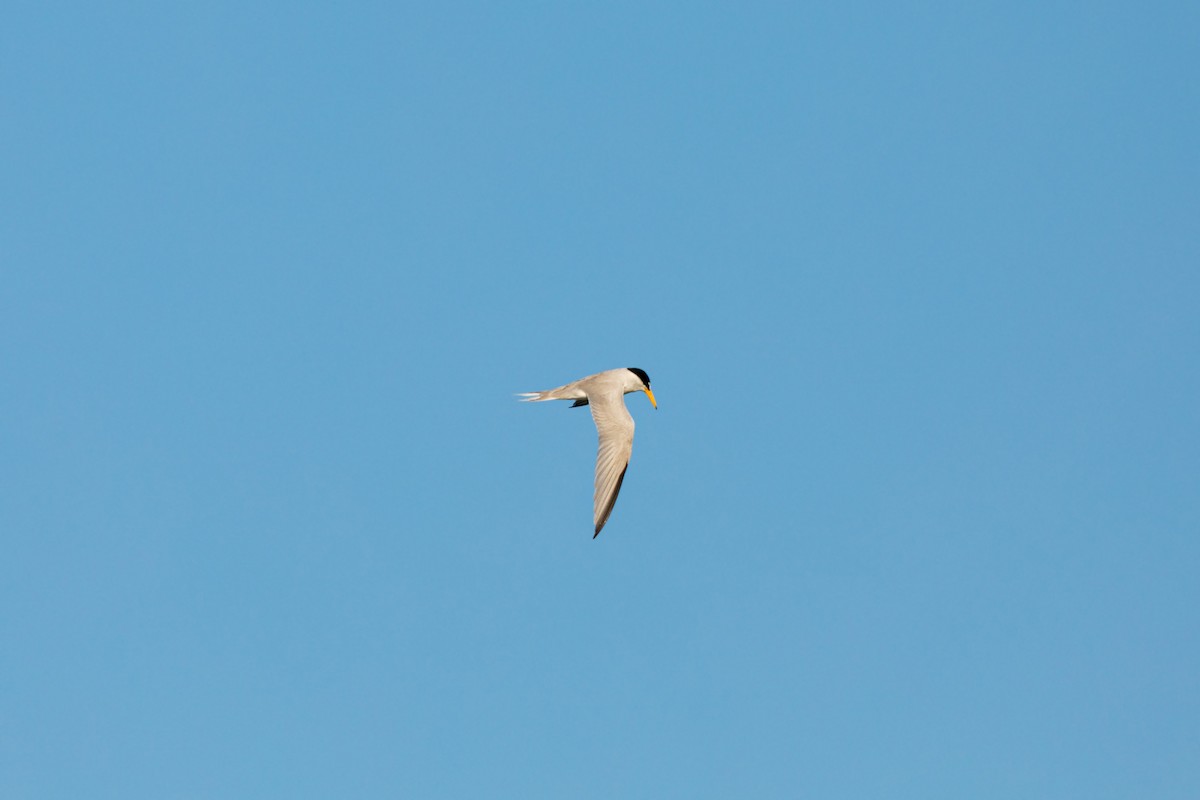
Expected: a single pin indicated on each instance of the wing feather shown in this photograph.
(614, 426)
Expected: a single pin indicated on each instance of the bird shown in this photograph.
(604, 393)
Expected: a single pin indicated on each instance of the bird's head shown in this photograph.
(641, 383)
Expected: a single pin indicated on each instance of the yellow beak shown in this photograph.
(650, 394)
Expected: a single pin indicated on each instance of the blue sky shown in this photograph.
(917, 288)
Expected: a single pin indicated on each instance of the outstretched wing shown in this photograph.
(615, 427)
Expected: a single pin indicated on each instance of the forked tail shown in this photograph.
(568, 392)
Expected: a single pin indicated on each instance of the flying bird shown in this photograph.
(604, 392)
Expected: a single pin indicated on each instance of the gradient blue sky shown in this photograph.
(918, 286)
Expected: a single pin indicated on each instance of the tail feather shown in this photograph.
(568, 392)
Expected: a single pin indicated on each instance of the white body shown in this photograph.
(605, 393)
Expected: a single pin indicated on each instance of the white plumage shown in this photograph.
(605, 393)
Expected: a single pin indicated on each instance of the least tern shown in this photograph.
(605, 392)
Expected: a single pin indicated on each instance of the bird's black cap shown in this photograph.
(644, 377)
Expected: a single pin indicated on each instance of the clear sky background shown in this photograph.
(917, 285)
